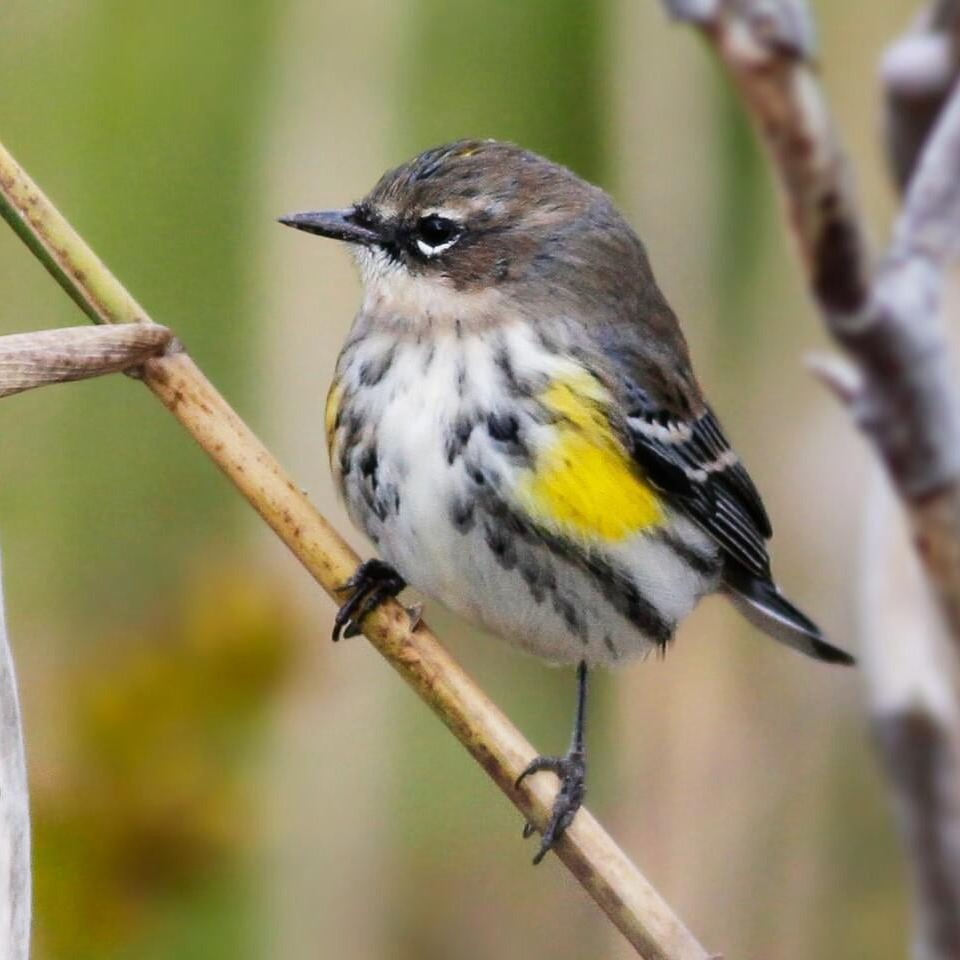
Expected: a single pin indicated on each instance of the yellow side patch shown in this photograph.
(334, 398)
(585, 481)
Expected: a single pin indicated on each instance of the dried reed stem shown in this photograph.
(29, 360)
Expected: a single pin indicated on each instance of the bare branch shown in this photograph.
(912, 404)
(914, 717)
(929, 227)
(594, 859)
(14, 812)
(694, 11)
(904, 394)
(29, 360)
(918, 72)
(914, 409)
(786, 24)
(914, 706)
(769, 65)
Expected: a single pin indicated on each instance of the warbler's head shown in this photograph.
(482, 217)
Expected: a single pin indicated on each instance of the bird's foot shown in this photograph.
(572, 771)
(374, 582)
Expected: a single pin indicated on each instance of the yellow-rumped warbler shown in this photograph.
(516, 425)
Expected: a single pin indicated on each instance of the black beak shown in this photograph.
(336, 224)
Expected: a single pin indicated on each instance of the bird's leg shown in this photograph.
(374, 582)
(572, 771)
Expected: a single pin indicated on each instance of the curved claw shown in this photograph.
(571, 770)
(373, 582)
(553, 764)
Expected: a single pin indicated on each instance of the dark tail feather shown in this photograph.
(763, 605)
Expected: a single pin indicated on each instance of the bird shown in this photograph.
(515, 424)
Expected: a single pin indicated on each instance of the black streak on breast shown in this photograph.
(373, 371)
(458, 436)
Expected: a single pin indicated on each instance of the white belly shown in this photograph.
(425, 512)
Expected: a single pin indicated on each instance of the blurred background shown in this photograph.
(213, 778)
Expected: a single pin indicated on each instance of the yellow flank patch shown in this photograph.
(584, 481)
(334, 397)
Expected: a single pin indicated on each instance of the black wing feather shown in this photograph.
(695, 466)
(714, 444)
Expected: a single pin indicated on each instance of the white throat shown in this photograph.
(395, 297)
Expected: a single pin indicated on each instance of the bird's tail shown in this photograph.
(766, 608)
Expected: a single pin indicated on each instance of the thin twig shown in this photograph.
(915, 718)
(14, 812)
(29, 360)
(595, 860)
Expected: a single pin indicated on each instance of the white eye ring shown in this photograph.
(429, 251)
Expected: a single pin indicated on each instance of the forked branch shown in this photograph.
(903, 388)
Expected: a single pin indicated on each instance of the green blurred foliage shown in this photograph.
(529, 72)
(141, 122)
(740, 224)
(149, 819)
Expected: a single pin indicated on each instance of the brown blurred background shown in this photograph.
(211, 777)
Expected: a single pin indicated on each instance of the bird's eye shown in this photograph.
(434, 234)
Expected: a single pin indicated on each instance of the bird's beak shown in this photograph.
(336, 224)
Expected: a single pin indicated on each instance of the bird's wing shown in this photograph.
(690, 461)
(612, 459)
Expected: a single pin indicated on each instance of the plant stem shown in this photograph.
(29, 360)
